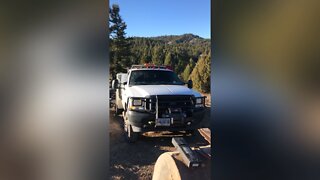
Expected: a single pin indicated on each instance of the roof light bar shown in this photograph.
(153, 66)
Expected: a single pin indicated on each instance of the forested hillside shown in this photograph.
(188, 54)
(177, 51)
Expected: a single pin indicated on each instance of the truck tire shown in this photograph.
(130, 135)
(117, 111)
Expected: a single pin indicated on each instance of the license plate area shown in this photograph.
(163, 122)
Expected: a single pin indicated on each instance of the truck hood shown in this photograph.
(149, 90)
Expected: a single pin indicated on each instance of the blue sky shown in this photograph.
(165, 17)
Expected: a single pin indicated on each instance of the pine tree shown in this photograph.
(119, 45)
(186, 73)
(145, 57)
(168, 59)
(191, 63)
(201, 73)
(157, 55)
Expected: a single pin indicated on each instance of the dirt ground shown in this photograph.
(136, 160)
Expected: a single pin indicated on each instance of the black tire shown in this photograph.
(130, 135)
(117, 111)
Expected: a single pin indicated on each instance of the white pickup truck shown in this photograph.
(153, 98)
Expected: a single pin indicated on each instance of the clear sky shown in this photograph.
(165, 17)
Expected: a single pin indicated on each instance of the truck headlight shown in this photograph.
(200, 102)
(136, 104)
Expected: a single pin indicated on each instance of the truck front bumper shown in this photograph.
(145, 121)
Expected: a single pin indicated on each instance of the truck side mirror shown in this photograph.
(190, 84)
(114, 84)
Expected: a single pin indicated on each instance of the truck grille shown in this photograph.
(185, 102)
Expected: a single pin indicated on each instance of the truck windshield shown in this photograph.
(154, 77)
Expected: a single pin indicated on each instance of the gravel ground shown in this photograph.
(136, 160)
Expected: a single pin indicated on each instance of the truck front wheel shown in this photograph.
(130, 135)
(117, 110)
